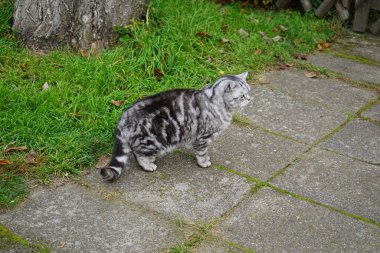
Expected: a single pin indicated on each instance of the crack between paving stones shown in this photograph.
(260, 184)
(338, 76)
(351, 215)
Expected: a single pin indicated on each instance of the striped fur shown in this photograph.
(156, 125)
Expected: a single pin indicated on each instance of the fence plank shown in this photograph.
(361, 16)
(324, 8)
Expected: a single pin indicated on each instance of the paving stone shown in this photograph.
(85, 223)
(277, 112)
(368, 47)
(328, 92)
(373, 112)
(359, 138)
(336, 180)
(253, 152)
(273, 222)
(349, 68)
(178, 188)
(219, 246)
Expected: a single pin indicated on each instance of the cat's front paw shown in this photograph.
(204, 164)
(150, 167)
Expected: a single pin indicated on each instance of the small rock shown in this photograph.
(45, 86)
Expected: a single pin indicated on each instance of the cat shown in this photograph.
(155, 125)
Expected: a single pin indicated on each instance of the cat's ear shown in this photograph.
(230, 86)
(243, 75)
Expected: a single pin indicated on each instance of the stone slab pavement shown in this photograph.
(297, 171)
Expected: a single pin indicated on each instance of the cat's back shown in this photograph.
(167, 100)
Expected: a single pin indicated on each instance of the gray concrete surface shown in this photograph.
(359, 139)
(275, 111)
(274, 222)
(335, 180)
(349, 68)
(373, 112)
(326, 92)
(178, 188)
(326, 170)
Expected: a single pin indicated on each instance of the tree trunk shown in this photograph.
(84, 24)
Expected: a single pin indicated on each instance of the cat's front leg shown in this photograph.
(201, 152)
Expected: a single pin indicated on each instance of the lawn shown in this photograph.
(71, 123)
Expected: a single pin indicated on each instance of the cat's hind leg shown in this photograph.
(146, 162)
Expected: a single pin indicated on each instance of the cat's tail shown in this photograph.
(118, 161)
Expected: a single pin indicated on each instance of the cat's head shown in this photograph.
(233, 89)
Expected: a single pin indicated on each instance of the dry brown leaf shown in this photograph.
(319, 47)
(310, 74)
(257, 51)
(283, 66)
(31, 157)
(117, 103)
(282, 28)
(326, 45)
(83, 53)
(61, 245)
(158, 73)
(262, 80)
(300, 56)
(204, 35)
(102, 161)
(9, 148)
(224, 28)
(4, 162)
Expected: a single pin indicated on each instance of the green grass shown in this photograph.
(8, 241)
(72, 122)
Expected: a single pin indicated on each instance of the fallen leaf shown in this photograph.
(224, 28)
(242, 32)
(257, 51)
(210, 59)
(282, 28)
(326, 45)
(310, 74)
(4, 162)
(277, 38)
(300, 56)
(83, 53)
(222, 51)
(158, 73)
(102, 161)
(262, 34)
(221, 72)
(204, 35)
(282, 66)
(262, 80)
(9, 148)
(117, 103)
(319, 47)
(31, 157)
(61, 245)
(274, 30)
(224, 40)
(45, 86)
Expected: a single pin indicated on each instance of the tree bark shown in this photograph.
(84, 24)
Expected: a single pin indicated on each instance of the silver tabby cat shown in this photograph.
(160, 123)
